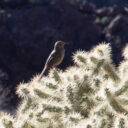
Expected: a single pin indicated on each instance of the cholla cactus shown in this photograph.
(91, 94)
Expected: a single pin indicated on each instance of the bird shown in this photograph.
(55, 58)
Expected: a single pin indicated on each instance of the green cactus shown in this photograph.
(91, 94)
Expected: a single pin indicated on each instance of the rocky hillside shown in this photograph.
(28, 32)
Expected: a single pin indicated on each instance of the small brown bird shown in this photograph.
(55, 58)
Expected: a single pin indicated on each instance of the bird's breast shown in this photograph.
(60, 55)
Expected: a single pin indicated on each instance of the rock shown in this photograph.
(118, 10)
(104, 12)
(116, 34)
(126, 9)
(118, 24)
(86, 7)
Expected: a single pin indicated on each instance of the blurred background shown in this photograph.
(29, 29)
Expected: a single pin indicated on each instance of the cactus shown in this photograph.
(91, 94)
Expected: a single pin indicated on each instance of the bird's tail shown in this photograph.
(44, 72)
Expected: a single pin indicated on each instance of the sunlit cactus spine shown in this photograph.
(6, 120)
(91, 94)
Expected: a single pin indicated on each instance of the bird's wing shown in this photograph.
(51, 59)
